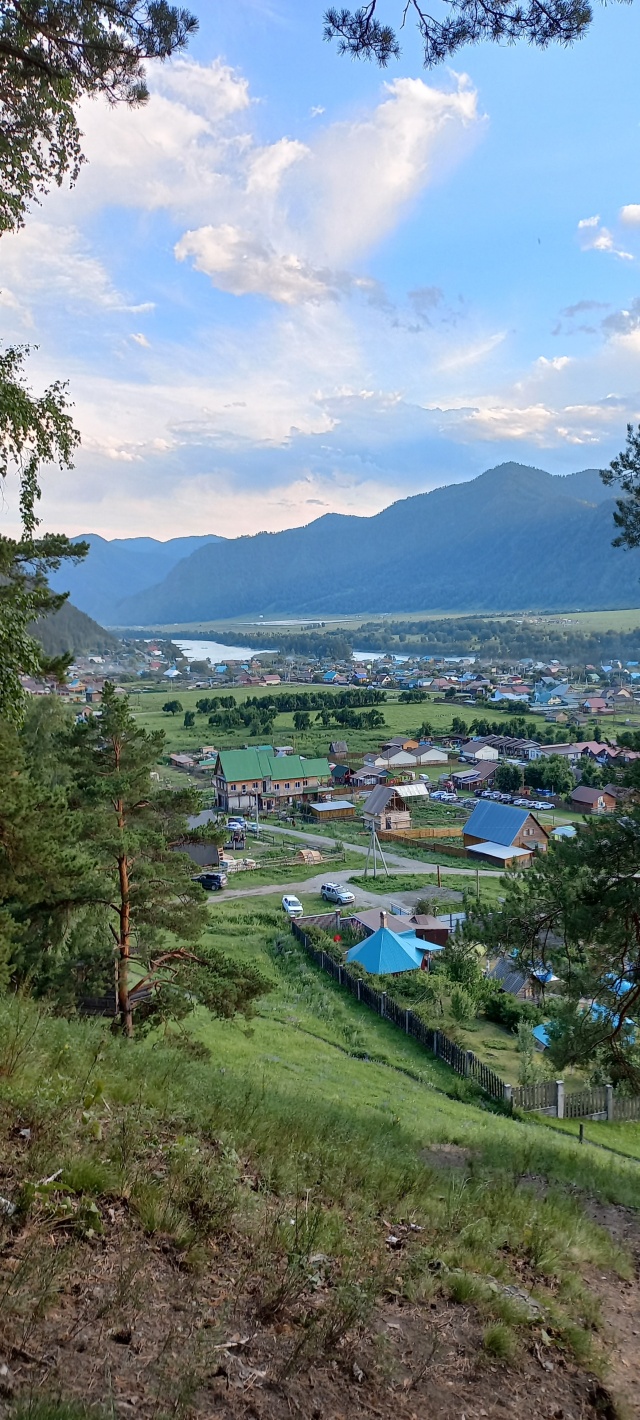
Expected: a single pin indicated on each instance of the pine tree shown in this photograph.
(153, 906)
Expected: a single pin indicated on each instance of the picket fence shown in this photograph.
(544, 1097)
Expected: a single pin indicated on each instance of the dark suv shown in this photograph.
(211, 882)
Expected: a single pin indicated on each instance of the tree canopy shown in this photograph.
(625, 471)
(53, 53)
(575, 912)
(363, 34)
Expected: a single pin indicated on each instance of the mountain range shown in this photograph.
(514, 538)
(119, 568)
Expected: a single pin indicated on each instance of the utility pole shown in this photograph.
(374, 844)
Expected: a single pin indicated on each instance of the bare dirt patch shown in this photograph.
(620, 1303)
(118, 1320)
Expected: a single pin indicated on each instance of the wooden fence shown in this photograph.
(435, 831)
(544, 1097)
(464, 1062)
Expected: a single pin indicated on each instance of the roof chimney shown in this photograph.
(383, 919)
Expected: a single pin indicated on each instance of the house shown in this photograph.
(340, 773)
(386, 809)
(367, 921)
(592, 801)
(499, 826)
(479, 777)
(397, 743)
(338, 747)
(501, 855)
(182, 761)
(430, 929)
(430, 754)
(594, 705)
(473, 751)
(518, 981)
(244, 777)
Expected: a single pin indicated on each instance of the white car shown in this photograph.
(540, 804)
(292, 905)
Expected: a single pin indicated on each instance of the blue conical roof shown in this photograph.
(387, 952)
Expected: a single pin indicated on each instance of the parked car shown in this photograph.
(521, 803)
(540, 804)
(292, 905)
(449, 798)
(236, 823)
(336, 892)
(211, 882)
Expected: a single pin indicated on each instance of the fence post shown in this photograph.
(383, 1002)
(609, 1089)
(323, 962)
(468, 1057)
(436, 1043)
(340, 975)
(359, 985)
(560, 1098)
(508, 1097)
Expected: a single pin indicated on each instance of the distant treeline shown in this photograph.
(501, 640)
(316, 645)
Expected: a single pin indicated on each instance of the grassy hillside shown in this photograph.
(302, 1214)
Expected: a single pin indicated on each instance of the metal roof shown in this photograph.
(333, 804)
(413, 791)
(250, 764)
(498, 822)
(503, 851)
(385, 953)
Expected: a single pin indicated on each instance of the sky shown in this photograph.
(293, 283)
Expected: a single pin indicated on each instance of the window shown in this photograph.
(287, 786)
(232, 786)
(244, 788)
(298, 785)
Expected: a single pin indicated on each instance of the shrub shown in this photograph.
(506, 1010)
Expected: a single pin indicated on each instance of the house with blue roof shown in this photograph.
(388, 953)
(504, 835)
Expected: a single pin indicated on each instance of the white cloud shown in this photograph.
(593, 237)
(48, 263)
(365, 172)
(141, 339)
(339, 210)
(240, 263)
(630, 214)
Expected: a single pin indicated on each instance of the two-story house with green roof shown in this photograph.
(246, 776)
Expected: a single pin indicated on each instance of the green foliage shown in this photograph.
(506, 1010)
(625, 470)
(526, 1049)
(576, 911)
(553, 772)
(591, 774)
(172, 707)
(499, 1341)
(508, 778)
(34, 429)
(53, 55)
(189, 719)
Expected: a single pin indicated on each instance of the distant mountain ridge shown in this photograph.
(514, 538)
(119, 568)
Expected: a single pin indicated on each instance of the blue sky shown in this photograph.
(293, 283)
